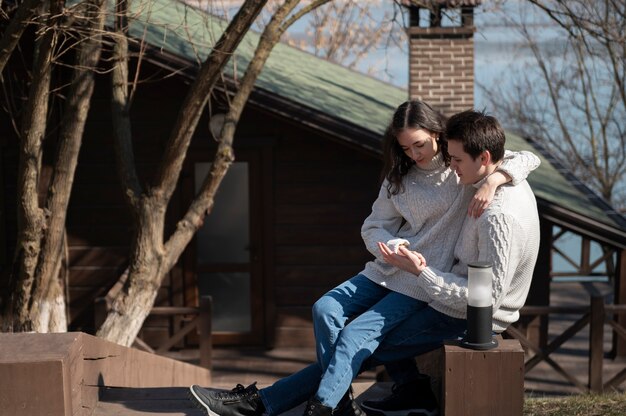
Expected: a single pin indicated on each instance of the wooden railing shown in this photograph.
(596, 315)
(198, 318)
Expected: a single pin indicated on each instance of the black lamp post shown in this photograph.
(479, 308)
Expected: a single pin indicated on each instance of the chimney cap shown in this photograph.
(442, 3)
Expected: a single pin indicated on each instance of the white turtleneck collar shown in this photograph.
(436, 162)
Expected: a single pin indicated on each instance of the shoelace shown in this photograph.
(238, 392)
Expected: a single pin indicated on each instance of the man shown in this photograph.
(505, 235)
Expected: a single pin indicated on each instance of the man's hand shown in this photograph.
(405, 259)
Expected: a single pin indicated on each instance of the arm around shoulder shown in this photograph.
(518, 165)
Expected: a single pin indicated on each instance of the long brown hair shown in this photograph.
(412, 114)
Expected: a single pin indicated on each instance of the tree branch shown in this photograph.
(191, 109)
(203, 203)
(120, 108)
(16, 28)
(306, 9)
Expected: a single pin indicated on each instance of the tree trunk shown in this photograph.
(76, 110)
(36, 302)
(52, 313)
(149, 262)
(147, 268)
(30, 217)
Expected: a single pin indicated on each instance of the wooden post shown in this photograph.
(539, 294)
(620, 298)
(204, 331)
(596, 344)
(485, 383)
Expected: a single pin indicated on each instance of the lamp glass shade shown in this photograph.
(479, 286)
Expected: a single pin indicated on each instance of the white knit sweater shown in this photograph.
(507, 236)
(429, 214)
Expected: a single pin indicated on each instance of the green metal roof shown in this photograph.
(312, 82)
(289, 72)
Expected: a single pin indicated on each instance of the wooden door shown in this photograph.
(228, 258)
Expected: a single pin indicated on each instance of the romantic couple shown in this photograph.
(451, 196)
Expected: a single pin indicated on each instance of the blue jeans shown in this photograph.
(342, 345)
(419, 334)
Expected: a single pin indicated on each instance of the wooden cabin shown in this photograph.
(286, 224)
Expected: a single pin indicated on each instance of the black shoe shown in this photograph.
(347, 406)
(315, 408)
(240, 401)
(412, 399)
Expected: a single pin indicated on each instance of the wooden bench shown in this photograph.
(469, 382)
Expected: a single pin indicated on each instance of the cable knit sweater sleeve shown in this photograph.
(382, 224)
(518, 165)
(496, 245)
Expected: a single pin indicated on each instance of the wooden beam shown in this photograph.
(596, 344)
(620, 297)
(539, 295)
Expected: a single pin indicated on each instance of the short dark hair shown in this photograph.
(478, 132)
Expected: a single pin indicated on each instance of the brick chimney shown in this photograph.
(441, 53)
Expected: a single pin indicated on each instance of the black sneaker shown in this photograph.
(411, 399)
(240, 401)
(315, 408)
(348, 407)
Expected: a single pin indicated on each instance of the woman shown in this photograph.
(420, 205)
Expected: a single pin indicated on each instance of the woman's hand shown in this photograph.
(405, 259)
(481, 200)
(484, 195)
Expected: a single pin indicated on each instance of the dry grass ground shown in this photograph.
(613, 404)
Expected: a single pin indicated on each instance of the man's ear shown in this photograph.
(485, 158)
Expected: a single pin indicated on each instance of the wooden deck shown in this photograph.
(174, 401)
(166, 401)
(245, 366)
(62, 374)
(96, 367)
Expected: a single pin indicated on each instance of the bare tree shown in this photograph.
(34, 301)
(359, 35)
(572, 96)
(153, 256)
(348, 31)
(34, 281)
(16, 28)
